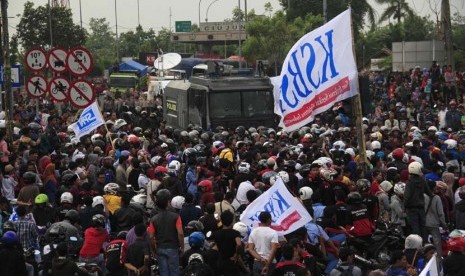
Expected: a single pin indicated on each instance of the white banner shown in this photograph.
(431, 268)
(287, 213)
(90, 119)
(318, 71)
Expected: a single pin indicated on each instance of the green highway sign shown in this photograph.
(183, 26)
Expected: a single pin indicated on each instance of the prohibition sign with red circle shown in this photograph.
(36, 59)
(58, 88)
(56, 59)
(36, 86)
(81, 93)
(79, 61)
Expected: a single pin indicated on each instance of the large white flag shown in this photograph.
(287, 213)
(318, 71)
(431, 268)
(90, 119)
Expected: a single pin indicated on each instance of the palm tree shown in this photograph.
(396, 9)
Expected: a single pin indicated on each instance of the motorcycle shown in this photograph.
(378, 247)
(92, 268)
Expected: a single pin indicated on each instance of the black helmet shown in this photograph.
(200, 148)
(137, 131)
(98, 220)
(354, 197)
(29, 177)
(305, 169)
(163, 194)
(289, 165)
(240, 130)
(122, 235)
(72, 215)
(8, 226)
(144, 166)
(262, 164)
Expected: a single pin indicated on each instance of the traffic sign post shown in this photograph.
(183, 26)
(56, 60)
(58, 88)
(36, 60)
(81, 94)
(79, 61)
(36, 86)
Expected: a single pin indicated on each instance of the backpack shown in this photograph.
(346, 272)
(116, 255)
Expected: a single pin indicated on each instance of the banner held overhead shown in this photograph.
(318, 71)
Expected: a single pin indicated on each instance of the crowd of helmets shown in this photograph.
(321, 164)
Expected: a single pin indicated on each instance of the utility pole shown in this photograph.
(6, 61)
(447, 31)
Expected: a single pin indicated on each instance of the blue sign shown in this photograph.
(86, 119)
(15, 75)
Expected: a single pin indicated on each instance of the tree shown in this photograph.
(397, 9)
(270, 38)
(34, 30)
(132, 43)
(458, 38)
(101, 43)
(361, 10)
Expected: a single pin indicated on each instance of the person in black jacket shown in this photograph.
(459, 210)
(414, 200)
(11, 256)
(64, 266)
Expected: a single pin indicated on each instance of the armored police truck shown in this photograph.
(211, 100)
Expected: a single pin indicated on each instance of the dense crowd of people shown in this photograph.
(139, 197)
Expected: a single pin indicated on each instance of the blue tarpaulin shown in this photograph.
(132, 65)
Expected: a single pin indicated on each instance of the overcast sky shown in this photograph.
(156, 13)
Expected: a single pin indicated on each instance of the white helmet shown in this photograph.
(111, 188)
(451, 143)
(415, 168)
(96, 137)
(375, 145)
(218, 144)
(66, 197)
(284, 176)
(177, 202)
(174, 165)
(244, 167)
(305, 193)
(155, 160)
(139, 199)
(399, 188)
(242, 229)
(326, 162)
(350, 151)
(119, 123)
(75, 141)
(370, 154)
(97, 200)
(339, 145)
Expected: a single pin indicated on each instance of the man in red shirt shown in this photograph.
(95, 238)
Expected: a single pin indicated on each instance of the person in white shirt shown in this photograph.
(263, 242)
(241, 195)
(442, 116)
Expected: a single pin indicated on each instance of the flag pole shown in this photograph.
(357, 107)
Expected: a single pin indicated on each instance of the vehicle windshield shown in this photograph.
(241, 104)
(122, 82)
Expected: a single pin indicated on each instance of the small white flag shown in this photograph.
(431, 268)
(90, 119)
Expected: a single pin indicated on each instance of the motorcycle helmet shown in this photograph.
(72, 215)
(97, 200)
(375, 145)
(413, 241)
(363, 185)
(174, 165)
(195, 226)
(196, 239)
(9, 238)
(66, 197)
(451, 143)
(399, 188)
(119, 123)
(111, 188)
(284, 176)
(98, 220)
(242, 229)
(177, 202)
(415, 168)
(339, 145)
(305, 193)
(244, 167)
(328, 174)
(266, 177)
(8, 226)
(41, 199)
(354, 198)
(456, 244)
(29, 178)
(139, 199)
(289, 165)
(398, 154)
(386, 186)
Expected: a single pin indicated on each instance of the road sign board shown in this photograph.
(183, 26)
(56, 60)
(79, 61)
(59, 88)
(81, 93)
(36, 86)
(36, 59)
(15, 76)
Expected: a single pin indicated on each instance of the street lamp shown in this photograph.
(117, 40)
(200, 1)
(206, 15)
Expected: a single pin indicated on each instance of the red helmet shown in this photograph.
(456, 244)
(207, 184)
(398, 154)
